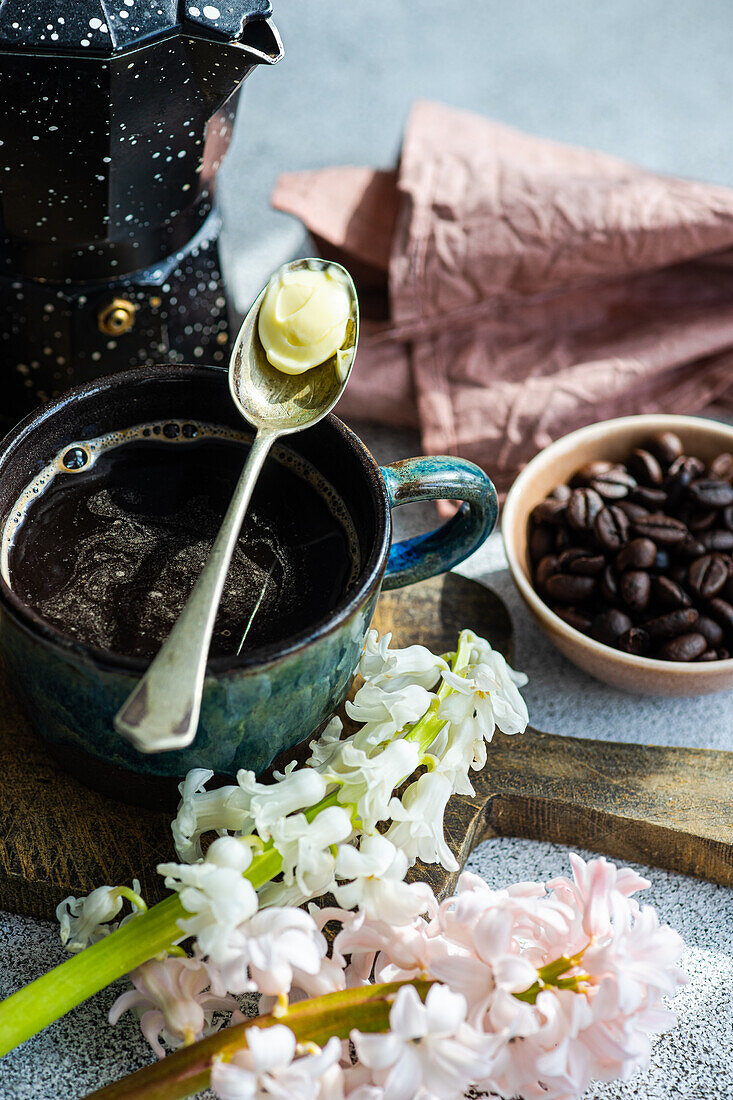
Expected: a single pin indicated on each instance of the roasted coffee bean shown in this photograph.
(633, 511)
(717, 540)
(690, 547)
(545, 569)
(635, 589)
(710, 630)
(712, 493)
(613, 485)
(549, 511)
(686, 467)
(582, 508)
(574, 618)
(671, 624)
(541, 541)
(661, 529)
(586, 473)
(707, 575)
(635, 641)
(652, 536)
(637, 554)
(648, 497)
(611, 527)
(722, 612)
(686, 647)
(645, 467)
(721, 468)
(609, 626)
(700, 520)
(666, 447)
(562, 493)
(669, 594)
(566, 588)
(609, 585)
(577, 560)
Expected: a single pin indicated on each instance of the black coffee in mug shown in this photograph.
(107, 542)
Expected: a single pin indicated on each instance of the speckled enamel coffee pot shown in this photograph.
(116, 115)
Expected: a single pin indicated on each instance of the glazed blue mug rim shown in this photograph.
(389, 488)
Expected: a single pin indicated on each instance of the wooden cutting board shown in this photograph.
(668, 807)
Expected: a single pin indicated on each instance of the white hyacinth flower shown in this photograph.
(373, 705)
(483, 697)
(87, 920)
(429, 1049)
(457, 750)
(417, 821)
(273, 949)
(395, 669)
(481, 651)
(325, 745)
(270, 802)
(305, 847)
(215, 894)
(368, 781)
(269, 1068)
(200, 811)
(377, 870)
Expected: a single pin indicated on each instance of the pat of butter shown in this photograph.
(303, 318)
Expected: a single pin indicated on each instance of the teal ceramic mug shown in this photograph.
(263, 702)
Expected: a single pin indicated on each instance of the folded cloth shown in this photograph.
(531, 287)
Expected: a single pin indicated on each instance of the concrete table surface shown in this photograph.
(651, 82)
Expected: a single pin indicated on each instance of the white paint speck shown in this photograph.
(95, 24)
(85, 42)
(195, 12)
(211, 12)
(124, 15)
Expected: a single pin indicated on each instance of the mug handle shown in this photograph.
(439, 477)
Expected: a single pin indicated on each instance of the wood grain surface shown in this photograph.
(668, 807)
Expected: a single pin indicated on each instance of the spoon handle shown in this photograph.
(162, 712)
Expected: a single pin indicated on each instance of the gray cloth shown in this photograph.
(649, 82)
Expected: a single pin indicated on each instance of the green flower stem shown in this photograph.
(153, 932)
(188, 1071)
(551, 975)
(36, 1005)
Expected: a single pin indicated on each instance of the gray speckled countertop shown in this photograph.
(652, 82)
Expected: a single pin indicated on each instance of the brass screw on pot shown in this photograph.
(116, 317)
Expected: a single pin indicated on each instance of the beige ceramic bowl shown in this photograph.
(613, 440)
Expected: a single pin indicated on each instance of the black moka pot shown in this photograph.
(115, 116)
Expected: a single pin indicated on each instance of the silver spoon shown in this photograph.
(163, 711)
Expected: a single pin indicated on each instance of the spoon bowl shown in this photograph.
(284, 403)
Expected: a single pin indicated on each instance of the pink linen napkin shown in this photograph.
(525, 288)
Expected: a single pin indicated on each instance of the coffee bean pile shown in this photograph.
(639, 555)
